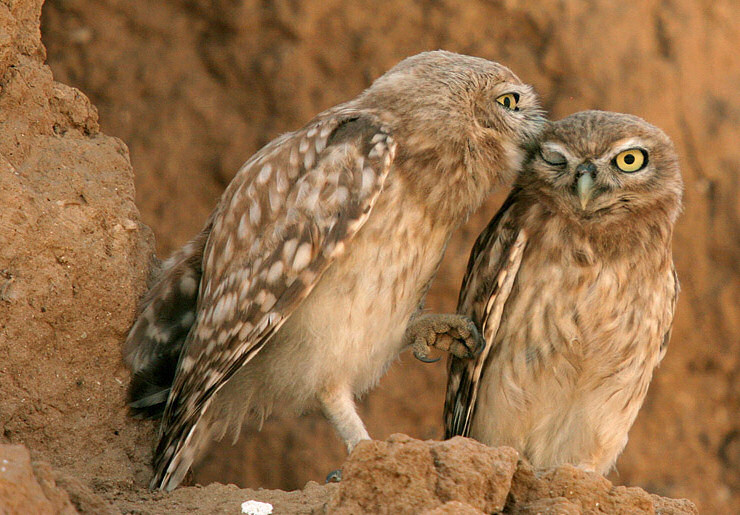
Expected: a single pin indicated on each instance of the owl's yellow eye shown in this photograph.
(631, 160)
(509, 101)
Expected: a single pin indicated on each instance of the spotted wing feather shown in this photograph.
(492, 268)
(291, 210)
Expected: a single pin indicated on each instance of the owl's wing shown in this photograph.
(673, 288)
(492, 268)
(290, 211)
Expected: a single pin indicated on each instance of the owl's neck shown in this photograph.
(638, 239)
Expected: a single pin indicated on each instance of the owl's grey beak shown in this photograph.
(585, 183)
(585, 186)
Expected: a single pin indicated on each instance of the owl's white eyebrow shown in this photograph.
(625, 144)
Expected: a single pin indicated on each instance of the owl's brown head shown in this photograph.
(461, 123)
(605, 167)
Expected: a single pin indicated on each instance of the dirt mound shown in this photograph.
(400, 475)
(403, 475)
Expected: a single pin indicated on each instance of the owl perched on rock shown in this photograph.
(306, 281)
(573, 287)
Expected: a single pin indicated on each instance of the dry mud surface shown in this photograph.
(193, 88)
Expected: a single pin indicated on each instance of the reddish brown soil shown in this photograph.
(194, 87)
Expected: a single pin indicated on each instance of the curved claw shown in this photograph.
(425, 359)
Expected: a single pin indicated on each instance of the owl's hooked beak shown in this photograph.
(585, 183)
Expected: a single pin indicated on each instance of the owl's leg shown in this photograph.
(451, 333)
(338, 406)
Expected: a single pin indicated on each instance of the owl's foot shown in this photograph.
(451, 333)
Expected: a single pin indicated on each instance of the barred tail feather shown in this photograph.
(154, 343)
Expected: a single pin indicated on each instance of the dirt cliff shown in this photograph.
(194, 87)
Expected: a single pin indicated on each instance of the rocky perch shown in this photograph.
(399, 475)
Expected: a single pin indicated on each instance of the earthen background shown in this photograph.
(194, 87)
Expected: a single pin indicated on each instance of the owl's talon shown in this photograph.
(455, 334)
(425, 359)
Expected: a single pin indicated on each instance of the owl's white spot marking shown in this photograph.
(260, 297)
(326, 130)
(170, 262)
(209, 261)
(204, 331)
(378, 137)
(294, 159)
(228, 251)
(188, 285)
(308, 159)
(243, 230)
(303, 145)
(211, 345)
(368, 178)
(289, 248)
(187, 364)
(187, 319)
(276, 270)
(268, 302)
(255, 213)
(251, 191)
(282, 182)
(320, 145)
(276, 200)
(265, 173)
(376, 150)
(154, 332)
(302, 257)
(224, 308)
(312, 132)
(223, 335)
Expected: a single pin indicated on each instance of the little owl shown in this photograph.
(573, 287)
(308, 278)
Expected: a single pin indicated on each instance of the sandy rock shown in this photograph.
(453, 508)
(568, 489)
(403, 475)
(20, 491)
(548, 506)
(56, 493)
(74, 259)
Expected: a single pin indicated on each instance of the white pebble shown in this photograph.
(256, 508)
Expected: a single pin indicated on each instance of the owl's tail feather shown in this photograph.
(154, 344)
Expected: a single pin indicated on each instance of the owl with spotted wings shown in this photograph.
(573, 287)
(309, 276)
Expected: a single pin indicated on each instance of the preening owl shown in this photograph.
(304, 285)
(573, 287)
